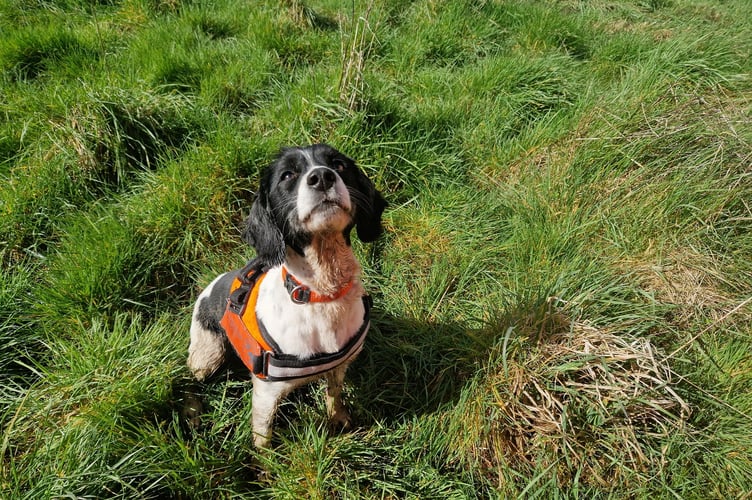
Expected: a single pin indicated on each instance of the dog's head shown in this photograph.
(307, 191)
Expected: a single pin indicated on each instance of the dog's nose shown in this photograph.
(322, 178)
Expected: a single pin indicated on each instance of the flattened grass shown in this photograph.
(562, 293)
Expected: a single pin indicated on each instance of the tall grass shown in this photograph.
(562, 293)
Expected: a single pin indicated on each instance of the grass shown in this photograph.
(563, 293)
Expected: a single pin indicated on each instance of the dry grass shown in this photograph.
(581, 401)
(687, 281)
(355, 50)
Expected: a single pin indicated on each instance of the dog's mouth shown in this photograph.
(328, 203)
(332, 201)
(328, 206)
(325, 209)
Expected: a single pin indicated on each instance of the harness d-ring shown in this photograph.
(300, 294)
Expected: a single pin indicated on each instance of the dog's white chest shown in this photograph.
(307, 329)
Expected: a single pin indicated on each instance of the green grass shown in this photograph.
(563, 293)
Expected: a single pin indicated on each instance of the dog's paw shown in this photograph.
(262, 442)
(340, 421)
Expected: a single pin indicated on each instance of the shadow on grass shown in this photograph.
(411, 367)
(407, 368)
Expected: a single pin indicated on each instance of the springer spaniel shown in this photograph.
(298, 311)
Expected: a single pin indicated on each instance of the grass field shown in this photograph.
(563, 296)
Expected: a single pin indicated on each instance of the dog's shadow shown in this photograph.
(410, 367)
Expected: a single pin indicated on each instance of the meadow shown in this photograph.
(563, 294)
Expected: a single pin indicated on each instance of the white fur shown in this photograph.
(206, 352)
(308, 329)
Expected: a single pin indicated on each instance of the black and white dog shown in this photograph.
(298, 311)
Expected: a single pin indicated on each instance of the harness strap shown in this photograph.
(255, 347)
(280, 366)
(240, 322)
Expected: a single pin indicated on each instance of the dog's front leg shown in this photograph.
(339, 417)
(266, 398)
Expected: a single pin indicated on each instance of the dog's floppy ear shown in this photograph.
(370, 205)
(263, 234)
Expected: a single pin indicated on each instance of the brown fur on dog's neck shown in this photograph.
(328, 265)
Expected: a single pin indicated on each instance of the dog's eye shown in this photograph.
(339, 165)
(286, 175)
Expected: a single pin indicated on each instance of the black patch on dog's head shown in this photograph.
(273, 222)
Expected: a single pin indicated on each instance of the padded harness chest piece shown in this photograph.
(255, 347)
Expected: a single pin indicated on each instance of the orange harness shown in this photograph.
(257, 349)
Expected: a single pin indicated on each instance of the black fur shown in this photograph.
(212, 308)
(369, 210)
(261, 230)
(272, 224)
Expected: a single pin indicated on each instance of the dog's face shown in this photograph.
(307, 191)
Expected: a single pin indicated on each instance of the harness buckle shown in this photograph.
(260, 364)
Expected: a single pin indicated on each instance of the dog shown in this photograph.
(298, 311)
